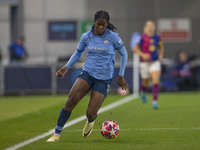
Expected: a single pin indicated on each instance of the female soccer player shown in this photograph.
(150, 49)
(101, 43)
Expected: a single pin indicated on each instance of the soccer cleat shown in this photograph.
(54, 138)
(155, 105)
(143, 97)
(87, 130)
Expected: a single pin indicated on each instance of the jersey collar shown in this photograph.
(103, 35)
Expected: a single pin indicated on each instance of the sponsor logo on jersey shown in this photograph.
(97, 49)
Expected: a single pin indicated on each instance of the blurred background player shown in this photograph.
(184, 71)
(97, 73)
(150, 49)
(17, 51)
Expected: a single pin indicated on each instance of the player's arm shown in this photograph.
(135, 46)
(138, 51)
(74, 58)
(160, 51)
(124, 57)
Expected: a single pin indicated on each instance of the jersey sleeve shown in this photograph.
(124, 57)
(135, 39)
(117, 42)
(82, 44)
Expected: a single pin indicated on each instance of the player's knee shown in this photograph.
(145, 82)
(155, 82)
(71, 102)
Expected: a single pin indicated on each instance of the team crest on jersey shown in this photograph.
(152, 48)
(106, 42)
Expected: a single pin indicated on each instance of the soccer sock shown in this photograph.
(143, 88)
(92, 119)
(62, 119)
(155, 91)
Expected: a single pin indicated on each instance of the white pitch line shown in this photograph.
(95, 130)
(158, 129)
(141, 129)
(74, 121)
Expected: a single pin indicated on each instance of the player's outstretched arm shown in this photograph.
(73, 59)
(124, 57)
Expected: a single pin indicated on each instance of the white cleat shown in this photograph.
(54, 138)
(155, 105)
(87, 130)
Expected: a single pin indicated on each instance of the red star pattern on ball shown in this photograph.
(110, 129)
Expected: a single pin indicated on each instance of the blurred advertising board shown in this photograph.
(62, 30)
(175, 30)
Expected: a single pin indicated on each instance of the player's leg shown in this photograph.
(155, 75)
(98, 94)
(144, 72)
(77, 92)
(95, 103)
(144, 85)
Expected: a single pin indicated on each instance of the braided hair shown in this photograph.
(105, 15)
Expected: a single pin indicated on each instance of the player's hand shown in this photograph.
(146, 56)
(61, 72)
(122, 83)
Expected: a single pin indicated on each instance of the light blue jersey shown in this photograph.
(100, 53)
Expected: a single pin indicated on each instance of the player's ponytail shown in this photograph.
(111, 27)
(104, 15)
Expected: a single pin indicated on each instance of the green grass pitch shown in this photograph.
(174, 126)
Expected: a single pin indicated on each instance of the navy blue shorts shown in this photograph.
(101, 86)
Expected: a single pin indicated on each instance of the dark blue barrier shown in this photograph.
(27, 78)
(39, 78)
(197, 75)
(128, 76)
(69, 79)
(170, 83)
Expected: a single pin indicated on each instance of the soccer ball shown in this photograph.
(122, 92)
(109, 129)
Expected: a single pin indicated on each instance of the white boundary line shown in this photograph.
(95, 130)
(141, 129)
(74, 121)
